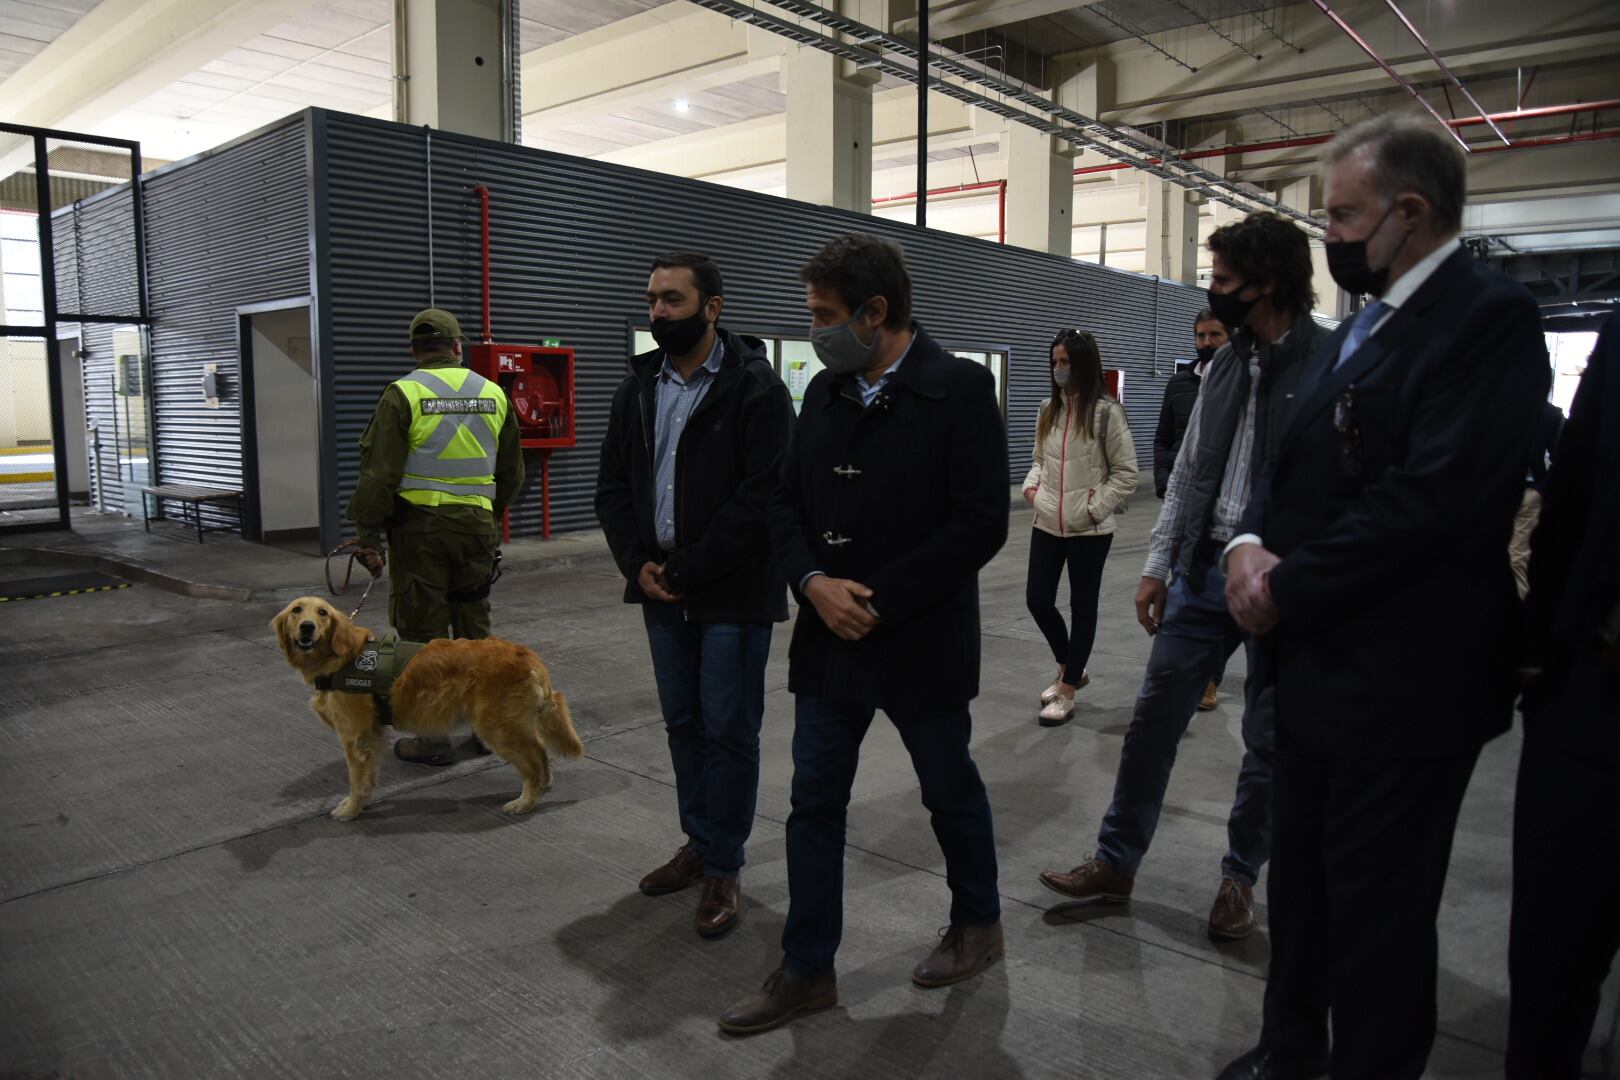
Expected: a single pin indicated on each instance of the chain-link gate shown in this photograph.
(75, 412)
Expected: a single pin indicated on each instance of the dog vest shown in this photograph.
(373, 672)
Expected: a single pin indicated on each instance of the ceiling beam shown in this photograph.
(1479, 37)
(970, 16)
(124, 50)
(677, 48)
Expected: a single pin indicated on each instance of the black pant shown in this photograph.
(1359, 852)
(827, 737)
(1566, 877)
(1084, 556)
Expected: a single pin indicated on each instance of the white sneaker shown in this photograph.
(1052, 692)
(1057, 711)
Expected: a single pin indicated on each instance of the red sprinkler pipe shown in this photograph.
(1317, 140)
(483, 206)
(1000, 185)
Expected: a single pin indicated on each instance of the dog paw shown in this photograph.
(519, 805)
(347, 810)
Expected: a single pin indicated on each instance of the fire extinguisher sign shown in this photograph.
(551, 343)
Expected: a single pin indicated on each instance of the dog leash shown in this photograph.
(353, 548)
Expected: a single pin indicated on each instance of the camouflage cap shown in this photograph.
(434, 323)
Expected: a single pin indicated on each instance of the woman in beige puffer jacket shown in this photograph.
(1085, 468)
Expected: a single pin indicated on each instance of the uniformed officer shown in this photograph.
(439, 464)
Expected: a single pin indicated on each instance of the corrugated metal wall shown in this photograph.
(93, 241)
(228, 229)
(572, 240)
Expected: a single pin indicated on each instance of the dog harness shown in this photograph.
(373, 672)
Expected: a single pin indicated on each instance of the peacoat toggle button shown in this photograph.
(848, 472)
(832, 539)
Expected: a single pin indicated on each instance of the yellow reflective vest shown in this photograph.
(456, 419)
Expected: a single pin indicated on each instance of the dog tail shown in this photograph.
(556, 724)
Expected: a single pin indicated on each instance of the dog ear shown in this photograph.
(283, 636)
(348, 640)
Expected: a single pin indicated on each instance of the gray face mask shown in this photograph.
(839, 349)
(1060, 375)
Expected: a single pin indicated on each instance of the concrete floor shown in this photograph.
(175, 903)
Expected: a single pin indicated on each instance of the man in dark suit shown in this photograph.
(894, 496)
(1376, 564)
(1566, 825)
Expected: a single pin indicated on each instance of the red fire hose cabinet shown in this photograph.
(539, 383)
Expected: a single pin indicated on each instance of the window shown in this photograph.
(796, 362)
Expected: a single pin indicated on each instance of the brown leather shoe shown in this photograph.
(963, 952)
(1093, 881)
(718, 907)
(682, 870)
(1211, 698)
(1232, 917)
(424, 750)
(784, 996)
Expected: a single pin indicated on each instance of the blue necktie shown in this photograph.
(1360, 329)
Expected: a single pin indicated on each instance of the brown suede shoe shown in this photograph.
(784, 996)
(1093, 881)
(1232, 917)
(718, 907)
(963, 952)
(682, 870)
(1211, 698)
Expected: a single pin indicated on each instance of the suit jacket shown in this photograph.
(907, 496)
(1391, 502)
(1575, 564)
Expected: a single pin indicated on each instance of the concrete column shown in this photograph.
(1040, 192)
(829, 131)
(1330, 299)
(454, 66)
(1172, 231)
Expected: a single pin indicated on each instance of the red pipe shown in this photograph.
(1553, 140)
(1000, 185)
(1533, 114)
(483, 205)
(1316, 140)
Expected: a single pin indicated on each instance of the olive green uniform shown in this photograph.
(434, 552)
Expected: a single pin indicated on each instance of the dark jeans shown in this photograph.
(1566, 879)
(1358, 867)
(1084, 556)
(1194, 641)
(711, 685)
(827, 738)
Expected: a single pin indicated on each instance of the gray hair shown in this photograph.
(1410, 154)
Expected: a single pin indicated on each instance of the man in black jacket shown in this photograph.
(693, 454)
(1566, 820)
(895, 495)
(1375, 562)
(1179, 395)
(1261, 285)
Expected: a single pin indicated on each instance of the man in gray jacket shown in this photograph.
(1261, 289)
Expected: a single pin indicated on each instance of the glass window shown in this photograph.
(799, 364)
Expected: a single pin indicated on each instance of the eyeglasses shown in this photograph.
(1345, 423)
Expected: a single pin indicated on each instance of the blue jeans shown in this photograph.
(711, 686)
(1194, 642)
(827, 737)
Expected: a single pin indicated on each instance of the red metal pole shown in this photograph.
(483, 205)
(1545, 110)
(1002, 214)
(958, 189)
(545, 494)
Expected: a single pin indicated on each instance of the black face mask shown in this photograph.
(1348, 266)
(680, 336)
(1229, 308)
(1206, 353)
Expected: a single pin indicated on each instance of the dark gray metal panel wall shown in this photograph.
(572, 240)
(228, 229)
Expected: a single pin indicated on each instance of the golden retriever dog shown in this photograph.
(499, 688)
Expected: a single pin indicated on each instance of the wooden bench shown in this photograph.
(191, 499)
